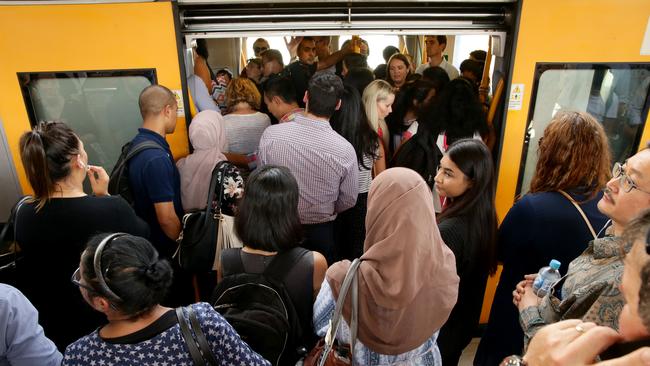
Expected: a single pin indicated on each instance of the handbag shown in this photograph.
(327, 351)
(10, 252)
(194, 338)
(205, 233)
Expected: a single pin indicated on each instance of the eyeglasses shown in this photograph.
(76, 278)
(626, 183)
(259, 49)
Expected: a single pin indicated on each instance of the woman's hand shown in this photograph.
(574, 343)
(98, 180)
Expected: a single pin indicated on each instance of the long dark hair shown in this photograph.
(267, 217)
(405, 100)
(46, 152)
(456, 110)
(473, 158)
(131, 269)
(350, 122)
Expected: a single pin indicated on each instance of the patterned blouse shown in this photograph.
(425, 355)
(590, 291)
(161, 343)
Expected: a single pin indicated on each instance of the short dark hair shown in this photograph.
(271, 55)
(324, 93)
(479, 55)
(359, 77)
(353, 60)
(438, 76)
(268, 213)
(132, 270)
(475, 67)
(282, 87)
(442, 40)
(154, 98)
(306, 39)
(388, 52)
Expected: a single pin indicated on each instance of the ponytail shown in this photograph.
(45, 153)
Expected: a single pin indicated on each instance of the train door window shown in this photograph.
(100, 106)
(617, 95)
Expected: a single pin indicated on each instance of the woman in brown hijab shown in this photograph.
(407, 278)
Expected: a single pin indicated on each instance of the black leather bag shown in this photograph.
(205, 233)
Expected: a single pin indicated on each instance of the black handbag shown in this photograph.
(10, 253)
(205, 233)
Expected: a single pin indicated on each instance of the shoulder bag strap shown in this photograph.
(582, 213)
(200, 337)
(330, 337)
(189, 339)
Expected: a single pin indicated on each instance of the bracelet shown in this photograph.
(513, 360)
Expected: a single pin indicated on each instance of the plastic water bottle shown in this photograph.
(546, 278)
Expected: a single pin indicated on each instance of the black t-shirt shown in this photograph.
(52, 240)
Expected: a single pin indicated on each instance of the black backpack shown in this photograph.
(258, 306)
(119, 179)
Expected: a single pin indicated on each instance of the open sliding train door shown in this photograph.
(236, 21)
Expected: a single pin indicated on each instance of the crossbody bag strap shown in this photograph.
(330, 337)
(197, 359)
(200, 337)
(582, 213)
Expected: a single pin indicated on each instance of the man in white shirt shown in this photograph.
(435, 47)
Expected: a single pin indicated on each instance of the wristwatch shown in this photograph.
(513, 360)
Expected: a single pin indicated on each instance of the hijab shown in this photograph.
(407, 278)
(208, 138)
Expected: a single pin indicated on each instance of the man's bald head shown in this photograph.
(153, 100)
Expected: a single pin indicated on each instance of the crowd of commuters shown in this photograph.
(388, 166)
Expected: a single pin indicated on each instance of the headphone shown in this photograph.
(97, 264)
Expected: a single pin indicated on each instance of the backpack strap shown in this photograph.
(200, 337)
(277, 269)
(144, 145)
(231, 262)
(188, 338)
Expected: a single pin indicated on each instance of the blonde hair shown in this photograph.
(243, 90)
(376, 91)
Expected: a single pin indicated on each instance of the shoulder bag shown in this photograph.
(582, 213)
(194, 338)
(327, 352)
(9, 248)
(205, 233)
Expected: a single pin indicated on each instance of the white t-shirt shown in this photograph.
(451, 70)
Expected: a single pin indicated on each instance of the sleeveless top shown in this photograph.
(299, 284)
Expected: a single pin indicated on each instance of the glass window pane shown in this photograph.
(101, 107)
(616, 95)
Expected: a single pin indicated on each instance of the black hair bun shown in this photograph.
(158, 274)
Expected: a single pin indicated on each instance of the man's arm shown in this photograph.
(335, 57)
(349, 187)
(167, 219)
(22, 335)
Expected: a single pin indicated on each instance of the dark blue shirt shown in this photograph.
(154, 178)
(538, 228)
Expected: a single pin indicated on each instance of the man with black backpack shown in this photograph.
(153, 185)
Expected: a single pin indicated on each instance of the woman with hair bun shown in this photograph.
(123, 277)
(53, 227)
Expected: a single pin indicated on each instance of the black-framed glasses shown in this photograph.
(626, 183)
(260, 49)
(76, 279)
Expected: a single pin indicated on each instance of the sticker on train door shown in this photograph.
(179, 101)
(516, 97)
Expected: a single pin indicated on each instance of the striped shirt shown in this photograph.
(323, 163)
(243, 131)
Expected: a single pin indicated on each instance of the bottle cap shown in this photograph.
(555, 264)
